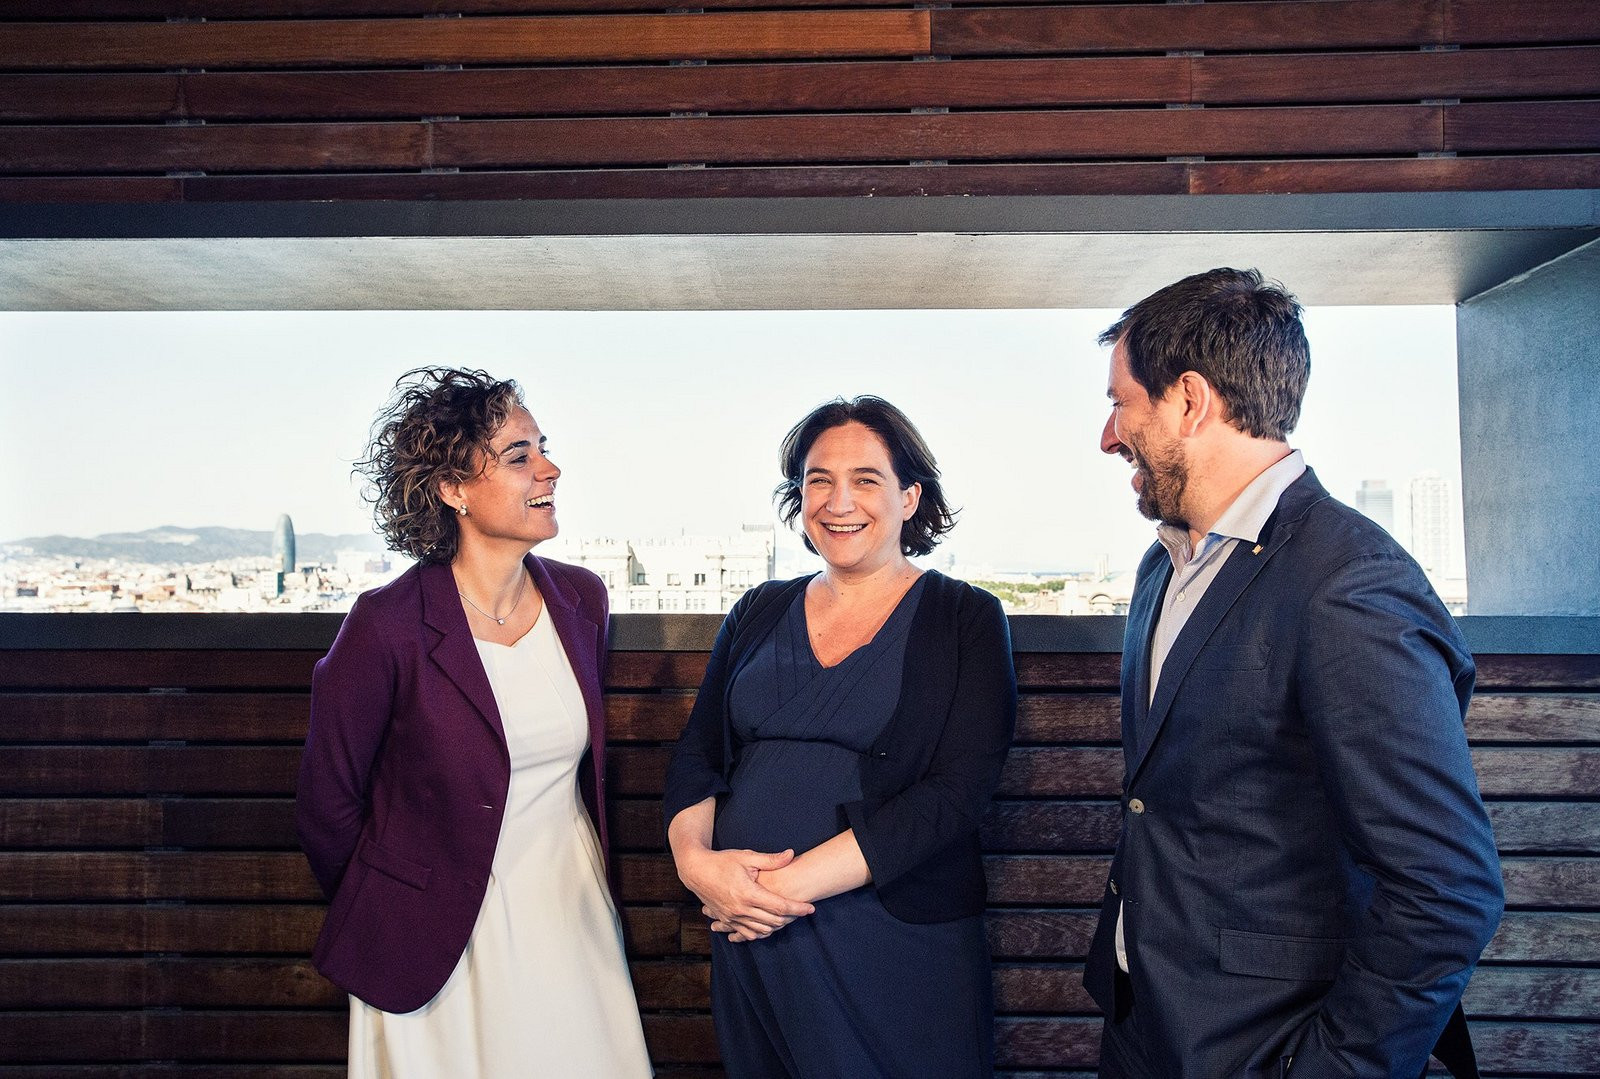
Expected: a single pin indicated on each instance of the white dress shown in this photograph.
(543, 987)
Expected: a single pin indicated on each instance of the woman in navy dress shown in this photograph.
(824, 800)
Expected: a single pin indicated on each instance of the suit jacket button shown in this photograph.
(1136, 805)
(882, 754)
(1114, 888)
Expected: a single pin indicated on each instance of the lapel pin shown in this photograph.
(1256, 549)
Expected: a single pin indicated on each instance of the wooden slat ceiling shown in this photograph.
(159, 100)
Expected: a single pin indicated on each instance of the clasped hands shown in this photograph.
(741, 891)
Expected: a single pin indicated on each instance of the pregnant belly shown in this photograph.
(788, 794)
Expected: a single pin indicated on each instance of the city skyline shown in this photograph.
(648, 414)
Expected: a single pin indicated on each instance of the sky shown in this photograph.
(664, 423)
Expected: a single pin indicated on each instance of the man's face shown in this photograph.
(1139, 431)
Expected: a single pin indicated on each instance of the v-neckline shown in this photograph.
(811, 650)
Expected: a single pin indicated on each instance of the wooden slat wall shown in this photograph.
(207, 100)
(155, 916)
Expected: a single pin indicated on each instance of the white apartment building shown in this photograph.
(674, 575)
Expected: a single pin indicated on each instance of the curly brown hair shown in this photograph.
(436, 428)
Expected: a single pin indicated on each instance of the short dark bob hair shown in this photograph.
(908, 453)
(1241, 333)
(436, 428)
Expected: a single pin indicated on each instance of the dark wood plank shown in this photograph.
(1552, 773)
(1546, 937)
(165, 983)
(1264, 24)
(593, 90)
(221, 929)
(1546, 827)
(1533, 993)
(79, 770)
(1535, 172)
(1048, 880)
(1033, 987)
(188, 876)
(656, 670)
(330, 9)
(1030, 771)
(90, 97)
(257, 147)
(1513, 672)
(1046, 1042)
(1534, 717)
(674, 984)
(646, 717)
(221, 669)
(680, 1039)
(1069, 717)
(1472, 22)
(1397, 76)
(190, 1035)
(1523, 125)
(636, 824)
(80, 822)
(68, 189)
(1060, 826)
(968, 136)
(148, 1070)
(121, 717)
(1554, 883)
(510, 40)
(73, 929)
(1546, 1049)
(1041, 934)
(113, 717)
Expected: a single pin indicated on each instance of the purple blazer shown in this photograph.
(405, 776)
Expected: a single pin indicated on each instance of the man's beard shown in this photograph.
(1166, 477)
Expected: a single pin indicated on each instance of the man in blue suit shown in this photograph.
(1305, 875)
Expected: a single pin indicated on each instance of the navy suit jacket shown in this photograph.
(1305, 867)
(405, 775)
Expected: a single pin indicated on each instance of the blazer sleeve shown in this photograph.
(949, 800)
(695, 772)
(352, 694)
(1383, 680)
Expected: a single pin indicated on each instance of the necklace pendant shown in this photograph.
(500, 621)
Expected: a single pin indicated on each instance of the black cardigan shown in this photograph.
(929, 776)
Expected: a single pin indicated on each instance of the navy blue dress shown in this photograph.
(850, 992)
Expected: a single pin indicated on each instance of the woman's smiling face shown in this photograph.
(852, 504)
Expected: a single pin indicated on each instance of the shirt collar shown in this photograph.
(1245, 516)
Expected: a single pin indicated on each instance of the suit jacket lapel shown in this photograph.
(580, 639)
(1142, 612)
(1241, 568)
(455, 653)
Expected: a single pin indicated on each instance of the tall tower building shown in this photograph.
(1430, 523)
(283, 544)
(1376, 501)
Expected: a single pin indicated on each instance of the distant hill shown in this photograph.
(171, 543)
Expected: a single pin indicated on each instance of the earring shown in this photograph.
(463, 509)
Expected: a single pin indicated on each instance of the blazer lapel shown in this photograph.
(455, 653)
(580, 639)
(1241, 568)
(1142, 612)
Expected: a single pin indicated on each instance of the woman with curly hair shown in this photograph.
(453, 777)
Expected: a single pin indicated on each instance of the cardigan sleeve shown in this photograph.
(352, 693)
(949, 800)
(695, 772)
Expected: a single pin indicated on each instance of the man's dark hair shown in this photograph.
(912, 460)
(1241, 333)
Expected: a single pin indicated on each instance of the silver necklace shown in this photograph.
(497, 618)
